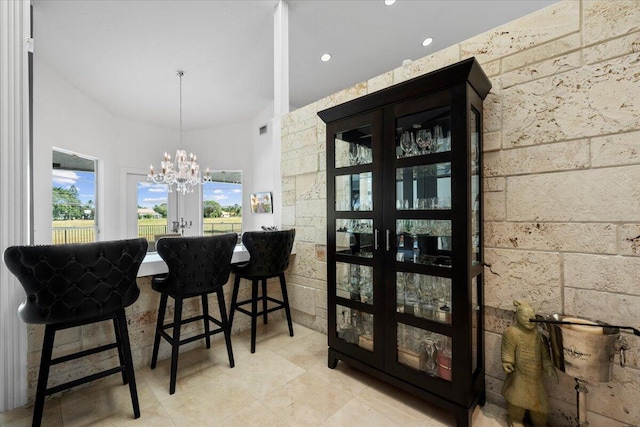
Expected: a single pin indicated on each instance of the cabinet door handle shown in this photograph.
(388, 240)
(375, 239)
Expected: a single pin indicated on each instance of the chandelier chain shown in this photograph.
(185, 172)
(180, 74)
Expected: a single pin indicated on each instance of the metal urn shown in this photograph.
(584, 349)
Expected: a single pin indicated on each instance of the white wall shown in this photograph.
(264, 162)
(66, 118)
(223, 148)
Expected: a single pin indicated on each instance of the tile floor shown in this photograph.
(285, 383)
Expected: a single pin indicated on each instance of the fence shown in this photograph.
(88, 234)
(73, 235)
(221, 227)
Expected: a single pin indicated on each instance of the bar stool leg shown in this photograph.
(43, 375)
(226, 325)
(205, 314)
(234, 300)
(264, 301)
(285, 300)
(175, 344)
(119, 344)
(128, 361)
(254, 313)
(159, 326)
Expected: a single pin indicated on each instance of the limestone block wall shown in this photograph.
(561, 184)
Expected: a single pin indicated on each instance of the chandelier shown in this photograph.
(185, 172)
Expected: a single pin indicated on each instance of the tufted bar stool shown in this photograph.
(269, 253)
(198, 266)
(73, 285)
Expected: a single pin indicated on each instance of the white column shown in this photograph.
(14, 193)
(281, 97)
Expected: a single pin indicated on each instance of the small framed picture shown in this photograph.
(261, 202)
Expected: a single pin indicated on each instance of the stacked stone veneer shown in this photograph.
(561, 184)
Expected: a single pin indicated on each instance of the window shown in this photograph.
(222, 203)
(153, 200)
(74, 198)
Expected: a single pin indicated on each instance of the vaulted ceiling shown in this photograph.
(124, 54)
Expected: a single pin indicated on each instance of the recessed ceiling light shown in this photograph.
(389, 2)
(427, 41)
(325, 57)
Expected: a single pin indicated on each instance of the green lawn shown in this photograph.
(81, 231)
(161, 221)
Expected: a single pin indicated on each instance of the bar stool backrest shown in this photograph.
(197, 265)
(269, 252)
(76, 282)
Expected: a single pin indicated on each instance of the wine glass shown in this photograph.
(431, 364)
(424, 140)
(439, 138)
(406, 143)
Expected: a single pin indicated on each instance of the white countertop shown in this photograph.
(152, 264)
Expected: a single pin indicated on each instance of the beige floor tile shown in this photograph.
(490, 415)
(105, 403)
(254, 414)
(194, 368)
(285, 383)
(22, 417)
(207, 403)
(306, 400)
(343, 377)
(402, 407)
(308, 352)
(271, 336)
(356, 413)
(263, 371)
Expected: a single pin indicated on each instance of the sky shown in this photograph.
(227, 194)
(84, 182)
(149, 194)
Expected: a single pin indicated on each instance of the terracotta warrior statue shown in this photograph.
(525, 355)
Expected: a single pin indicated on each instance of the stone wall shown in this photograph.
(562, 184)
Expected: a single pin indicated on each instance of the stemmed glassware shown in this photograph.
(439, 138)
(431, 364)
(424, 140)
(407, 142)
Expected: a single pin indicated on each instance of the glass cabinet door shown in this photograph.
(351, 198)
(423, 226)
(475, 186)
(404, 235)
(424, 351)
(427, 132)
(353, 147)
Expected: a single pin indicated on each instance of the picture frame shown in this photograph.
(261, 202)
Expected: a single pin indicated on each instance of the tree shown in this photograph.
(235, 210)
(212, 209)
(66, 203)
(161, 209)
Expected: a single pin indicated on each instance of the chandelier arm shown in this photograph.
(184, 171)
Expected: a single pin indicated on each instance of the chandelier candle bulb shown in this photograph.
(185, 174)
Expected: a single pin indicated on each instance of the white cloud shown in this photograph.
(237, 190)
(157, 189)
(218, 191)
(154, 199)
(64, 177)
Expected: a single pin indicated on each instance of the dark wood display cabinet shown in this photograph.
(404, 236)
